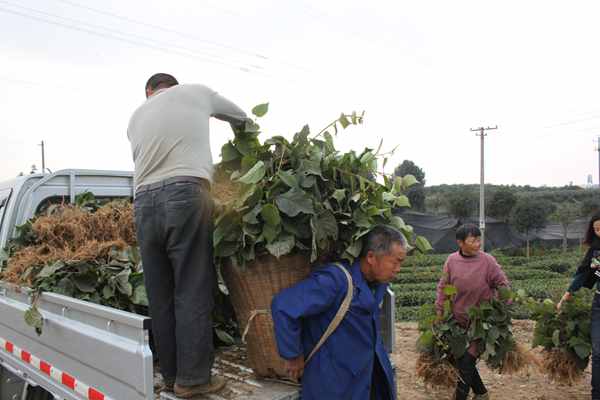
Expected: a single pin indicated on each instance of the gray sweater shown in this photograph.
(169, 133)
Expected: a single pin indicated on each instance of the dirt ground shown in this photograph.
(534, 386)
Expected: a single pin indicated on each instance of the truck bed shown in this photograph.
(231, 363)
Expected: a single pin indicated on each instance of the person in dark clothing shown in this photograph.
(587, 275)
(170, 143)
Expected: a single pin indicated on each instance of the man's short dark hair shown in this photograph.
(466, 230)
(160, 80)
(380, 239)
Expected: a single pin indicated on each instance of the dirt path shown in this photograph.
(535, 386)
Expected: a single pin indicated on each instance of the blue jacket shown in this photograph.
(343, 367)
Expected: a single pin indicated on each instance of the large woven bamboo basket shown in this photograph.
(251, 291)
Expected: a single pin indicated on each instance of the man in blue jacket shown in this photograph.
(352, 364)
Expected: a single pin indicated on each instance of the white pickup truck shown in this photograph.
(88, 351)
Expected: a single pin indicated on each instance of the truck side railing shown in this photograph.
(85, 351)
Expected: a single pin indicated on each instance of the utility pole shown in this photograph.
(43, 158)
(598, 148)
(482, 135)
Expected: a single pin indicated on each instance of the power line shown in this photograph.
(183, 34)
(163, 29)
(117, 35)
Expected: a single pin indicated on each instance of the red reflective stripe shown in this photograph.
(68, 380)
(93, 394)
(45, 367)
(25, 356)
(9, 347)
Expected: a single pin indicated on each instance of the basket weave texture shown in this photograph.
(252, 290)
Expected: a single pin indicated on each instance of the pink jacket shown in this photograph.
(476, 279)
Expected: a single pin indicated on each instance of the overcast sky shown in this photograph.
(425, 72)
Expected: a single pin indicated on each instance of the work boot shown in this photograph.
(485, 396)
(216, 384)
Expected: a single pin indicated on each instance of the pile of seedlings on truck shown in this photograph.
(87, 251)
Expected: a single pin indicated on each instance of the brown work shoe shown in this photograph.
(216, 384)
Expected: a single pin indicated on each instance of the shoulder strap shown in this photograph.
(339, 316)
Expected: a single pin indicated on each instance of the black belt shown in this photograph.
(176, 179)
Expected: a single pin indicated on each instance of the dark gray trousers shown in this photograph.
(174, 230)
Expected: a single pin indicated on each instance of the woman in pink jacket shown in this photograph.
(476, 276)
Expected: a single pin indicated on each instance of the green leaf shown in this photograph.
(256, 173)
(271, 232)
(402, 201)
(140, 296)
(344, 121)
(224, 337)
(282, 246)
(108, 292)
(339, 195)
(122, 282)
(34, 319)
(85, 283)
(270, 214)
(450, 290)
(49, 270)
(251, 216)
(229, 152)
(556, 338)
(294, 202)
(583, 350)
(288, 178)
(423, 244)
(408, 181)
(397, 222)
(260, 110)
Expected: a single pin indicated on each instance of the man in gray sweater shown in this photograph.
(169, 135)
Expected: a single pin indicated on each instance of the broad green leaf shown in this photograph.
(122, 282)
(140, 296)
(339, 195)
(282, 246)
(85, 283)
(344, 121)
(229, 153)
(288, 178)
(402, 201)
(49, 270)
(294, 202)
(260, 110)
(34, 319)
(408, 181)
(556, 338)
(255, 174)
(108, 292)
(251, 217)
(423, 244)
(397, 222)
(270, 214)
(271, 232)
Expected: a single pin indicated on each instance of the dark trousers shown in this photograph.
(468, 377)
(174, 230)
(596, 348)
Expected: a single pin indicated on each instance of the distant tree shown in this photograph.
(435, 203)
(416, 193)
(565, 214)
(529, 216)
(408, 167)
(502, 203)
(589, 207)
(462, 205)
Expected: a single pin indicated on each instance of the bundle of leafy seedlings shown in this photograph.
(441, 342)
(302, 196)
(86, 251)
(490, 328)
(564, 336)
